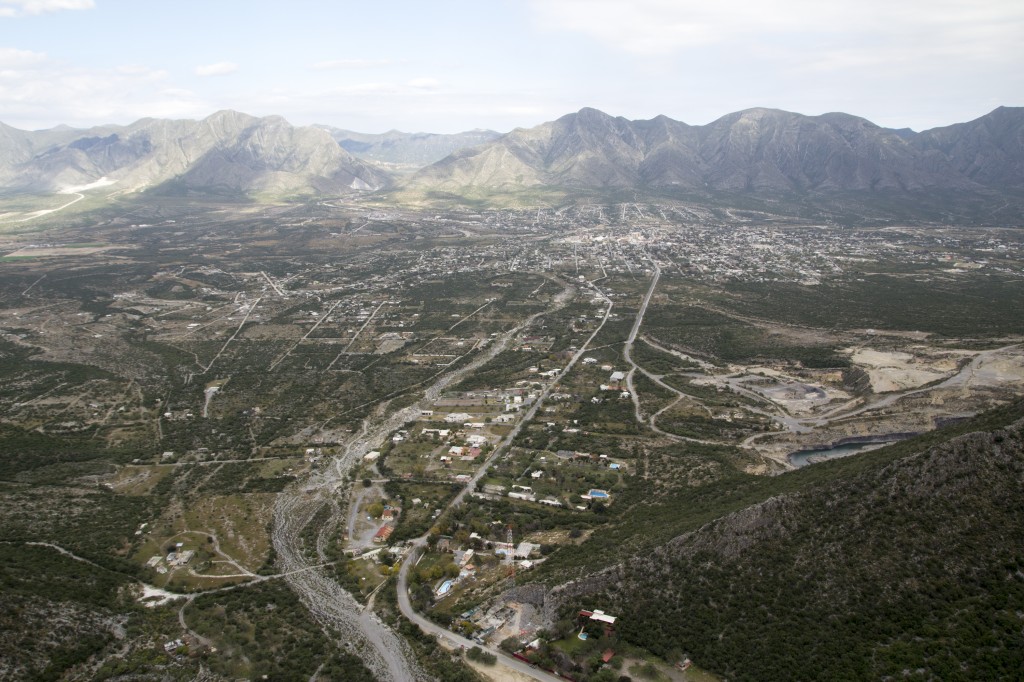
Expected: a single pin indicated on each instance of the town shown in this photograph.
(440, 406)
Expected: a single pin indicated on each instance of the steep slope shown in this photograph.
(408, 150)
(585, 149)
(758, 150)
(896, 565)
(988, 150)
(766, 149)
(225, 152)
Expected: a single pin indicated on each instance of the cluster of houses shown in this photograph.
(574, 456)
(389, 516)
(175, 558)
(518, 491)
(463, 558)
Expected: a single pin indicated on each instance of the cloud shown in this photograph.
(663, 27)
(40, 92)
(141, 72)
(12, 57)
(424, 83)
(217, 69)
(340, 64)
(21, 8)
(365, 88)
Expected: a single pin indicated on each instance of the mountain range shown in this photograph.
(756, 152)
(407, 151)
(227, 152)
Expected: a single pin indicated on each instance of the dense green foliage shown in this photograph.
(44, 572)
(901, 562)
(436, 660)
(73, 601)
(265, 630)
(724, 339)
(982, 307)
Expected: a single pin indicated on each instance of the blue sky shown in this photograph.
(450, 65)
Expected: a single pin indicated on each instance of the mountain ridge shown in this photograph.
(227, 151)
(897, 562)
(407, 151)
(754, 150)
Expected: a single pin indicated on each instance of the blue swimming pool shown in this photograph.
(598, 494)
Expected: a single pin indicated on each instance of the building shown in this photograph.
(382, 535)
(599, 616)
(525, 549)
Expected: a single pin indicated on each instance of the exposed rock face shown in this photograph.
(912, 563)
(765, 152)
(761, 150)
(227, 152)
(988, 150)
(410, 150)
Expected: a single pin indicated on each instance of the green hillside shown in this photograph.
(904, 563)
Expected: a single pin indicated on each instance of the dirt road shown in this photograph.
(384, 652)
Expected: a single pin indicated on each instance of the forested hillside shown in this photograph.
(907, 564)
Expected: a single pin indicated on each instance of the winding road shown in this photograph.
(419, 543)
(449, 637)
(384, 652)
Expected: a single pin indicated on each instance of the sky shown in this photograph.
(450, 65)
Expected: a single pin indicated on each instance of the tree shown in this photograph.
(367, 483)
(511, 644)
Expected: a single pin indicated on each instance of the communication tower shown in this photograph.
(510, 555)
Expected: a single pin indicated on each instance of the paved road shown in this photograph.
(419, 543)
(628, 347)
(450, 637)
(386, 654)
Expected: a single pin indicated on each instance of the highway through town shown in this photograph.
(628, 347)
(381, 649)
(419, 543)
